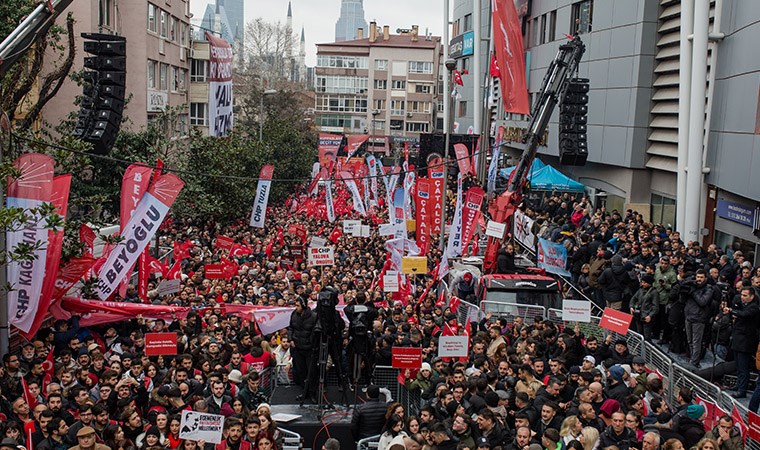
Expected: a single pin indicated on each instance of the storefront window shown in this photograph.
(730, 244)
(663, 210)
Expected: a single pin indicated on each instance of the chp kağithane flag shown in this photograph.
(30, 190)
(258, 215)
(510, 56)
(140, 229)
(219, 86)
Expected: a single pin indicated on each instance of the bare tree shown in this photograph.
(269, 53)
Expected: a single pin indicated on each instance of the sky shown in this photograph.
(318, 17)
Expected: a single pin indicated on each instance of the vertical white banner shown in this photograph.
(372, 164)
(356, 195)
(219, 86)
(259, 213)
(329, 201)
(454, 247)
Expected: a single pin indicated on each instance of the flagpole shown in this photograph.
(4, 325)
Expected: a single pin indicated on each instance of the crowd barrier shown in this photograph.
(369, 443)
(291, 440)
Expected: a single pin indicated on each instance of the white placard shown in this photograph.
(496, 229)
(317, 242)
(321, 256)
(386, 229)
(365, 231)
(390, 281)
(350, 225)
(168, 287)
(197, 426)
(453, 346)
(576, 311)
(522, 226)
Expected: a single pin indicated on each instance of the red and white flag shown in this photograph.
(258, 215)
(356, 196)
(134, 184)
(140, 229)
(87, 236)
(494, 69)
(354, 142)
(510, 56)
(463, 159)
(70, 273)
(470, 211)
(30, 190)
(458, 78)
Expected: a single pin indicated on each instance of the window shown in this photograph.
(462, 109)
(464, 65)
(341, 84)
(174, 79)
(173, 30)
(419, 107)
(397, 125)
(198, 70)
(104, 13)
(350, 62)
(152, 18)
(420, 67)
(198, 114)
(381, 84)
(381, 64)
(183, 34)
(467, 23)
(423, 88)
(379, 124)
(581, 16)
(151, 74)
(417, 127)
(329, 120)
(663, 210)
(378, 104)
(455, 28)
(163, 74)
(542, 33)
(397, 107)
(552, 26)
(398, 85)
(182, 79)
(340, 103)
(536, 27)
(164, 25)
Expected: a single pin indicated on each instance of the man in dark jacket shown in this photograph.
(645, 305)
(697, 314)
(505, 260)
(690, 426)
(369, 417)
(618, 434)
(302, 322)
(615, 281)
(489, 428)
(616, 388)
(746, 313)
(441, 437)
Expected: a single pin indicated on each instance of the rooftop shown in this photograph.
(394, 40)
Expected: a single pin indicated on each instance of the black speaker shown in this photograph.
(573, 143)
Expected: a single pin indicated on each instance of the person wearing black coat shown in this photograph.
(618, 434)
(615, 282)
(505, 260)
(302, 323)
(744, 336)
(690, 426)
(369, 417)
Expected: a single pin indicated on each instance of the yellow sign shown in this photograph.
(411, 225)
(414, 265)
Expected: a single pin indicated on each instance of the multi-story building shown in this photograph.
(158, 61)
(385, 85)
(350, 20)
(199, 86)
(632, 60)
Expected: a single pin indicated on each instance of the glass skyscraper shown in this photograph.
(351, 18)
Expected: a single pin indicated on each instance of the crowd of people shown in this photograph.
(525, 386)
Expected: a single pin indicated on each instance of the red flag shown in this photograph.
(239, 250)
(510, 56)
(134, 184)
(71, 272)
(268, 250)
(463, 159)
(182, 249)
(156, 266)
(49, 366)
(454, 304)
(494, 69)
(336, 234)
(87, 236)
(280, 236)
(175, 271)
(458, 78)
(28, 397)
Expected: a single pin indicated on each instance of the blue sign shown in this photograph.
(552, 257)
(736, 212)
(462, 45)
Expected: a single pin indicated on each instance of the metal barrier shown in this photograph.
(387, 377)
(467, 312)
(511, 310)
(369, 443)
(291, 441)
(267, 381)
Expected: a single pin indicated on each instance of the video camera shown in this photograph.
(327, 300)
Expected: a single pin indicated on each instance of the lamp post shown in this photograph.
(261, 111)
(450, 66)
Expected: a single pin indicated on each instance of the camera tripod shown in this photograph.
(323, 404)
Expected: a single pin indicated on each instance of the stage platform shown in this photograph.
(315, 430)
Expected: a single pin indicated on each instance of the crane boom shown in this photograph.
(553, 89)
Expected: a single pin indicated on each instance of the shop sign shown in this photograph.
(736, 212)
(462, 45)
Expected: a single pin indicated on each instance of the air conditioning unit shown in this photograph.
(191, 53)
(408, 114)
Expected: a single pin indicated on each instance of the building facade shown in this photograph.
(158, 57)
(385, 85)
(351, 19)
(632, 61)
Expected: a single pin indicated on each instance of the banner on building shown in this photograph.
(30, 190)
(219, 86)
(510, 56)
(258, 215)
(552, 257)
(328, 149)
(522, 230)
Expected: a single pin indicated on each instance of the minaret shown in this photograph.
(289, 21)
(302, 58)
(289, 59)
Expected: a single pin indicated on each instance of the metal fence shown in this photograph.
(291, 440)
(369, 443)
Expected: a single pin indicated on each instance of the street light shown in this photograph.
(261, 111)
(447, 98)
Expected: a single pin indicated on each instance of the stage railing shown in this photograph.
(292, 440)
(268, 381)
(511, 310)
(369, 443)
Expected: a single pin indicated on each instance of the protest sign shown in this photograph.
(386, 229)
(496, 229)
(350, 225)
(317, 242)
(414, 265)
(406, 357)
(213, 271)
(453, 346)
(168, 287)
(576, 311)
(615, 320)
(754, 426)
(198, 426)
(321, 256)
(522, 226)
(390, 281)
(552, 257)
(160, 344)
(224, 242)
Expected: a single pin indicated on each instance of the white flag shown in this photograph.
(454, 247)
(329, 201)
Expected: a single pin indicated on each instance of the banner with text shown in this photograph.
(552, 257)
(219, 86)
(437, 176)
(522, 230)
(321, 256)
(470, 212)
(328, 149)
(422, 210)
(258, 215)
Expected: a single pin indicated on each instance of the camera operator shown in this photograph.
(746, 313)
(361, 315)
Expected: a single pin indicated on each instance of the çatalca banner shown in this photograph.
(258, 215)
(422, 208)
(140, 229)
(437, 176)
(328, 149)
(30, 190)
(219, 86)
(470, 211)
(552, 257)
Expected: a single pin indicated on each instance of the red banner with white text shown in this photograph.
(423, 210)
(470, 211)
(437, 178)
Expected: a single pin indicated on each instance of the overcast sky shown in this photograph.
(318, 17)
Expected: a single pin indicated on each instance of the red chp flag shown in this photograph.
(463, 159)
(59, 199)
(258, 215)
(510, 56)
(354, 142)
(437, 178)
(328, 149)
(134, 184)
(71, 272)
(423, 209)
(87, 236)
(140, 229)
(470, 212)
(30, 190)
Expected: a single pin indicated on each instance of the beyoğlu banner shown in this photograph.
(470, 211)
(30, 190)
(328, 149)
(219, 86)
(422, 208)
(437, 178)
(140, 229)
(258, 215)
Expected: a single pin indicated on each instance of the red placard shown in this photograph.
(296, 251)
(224, 242)
(214, 271)
(406, 357)
(754, 426)
(615, 320)
(160, 344)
